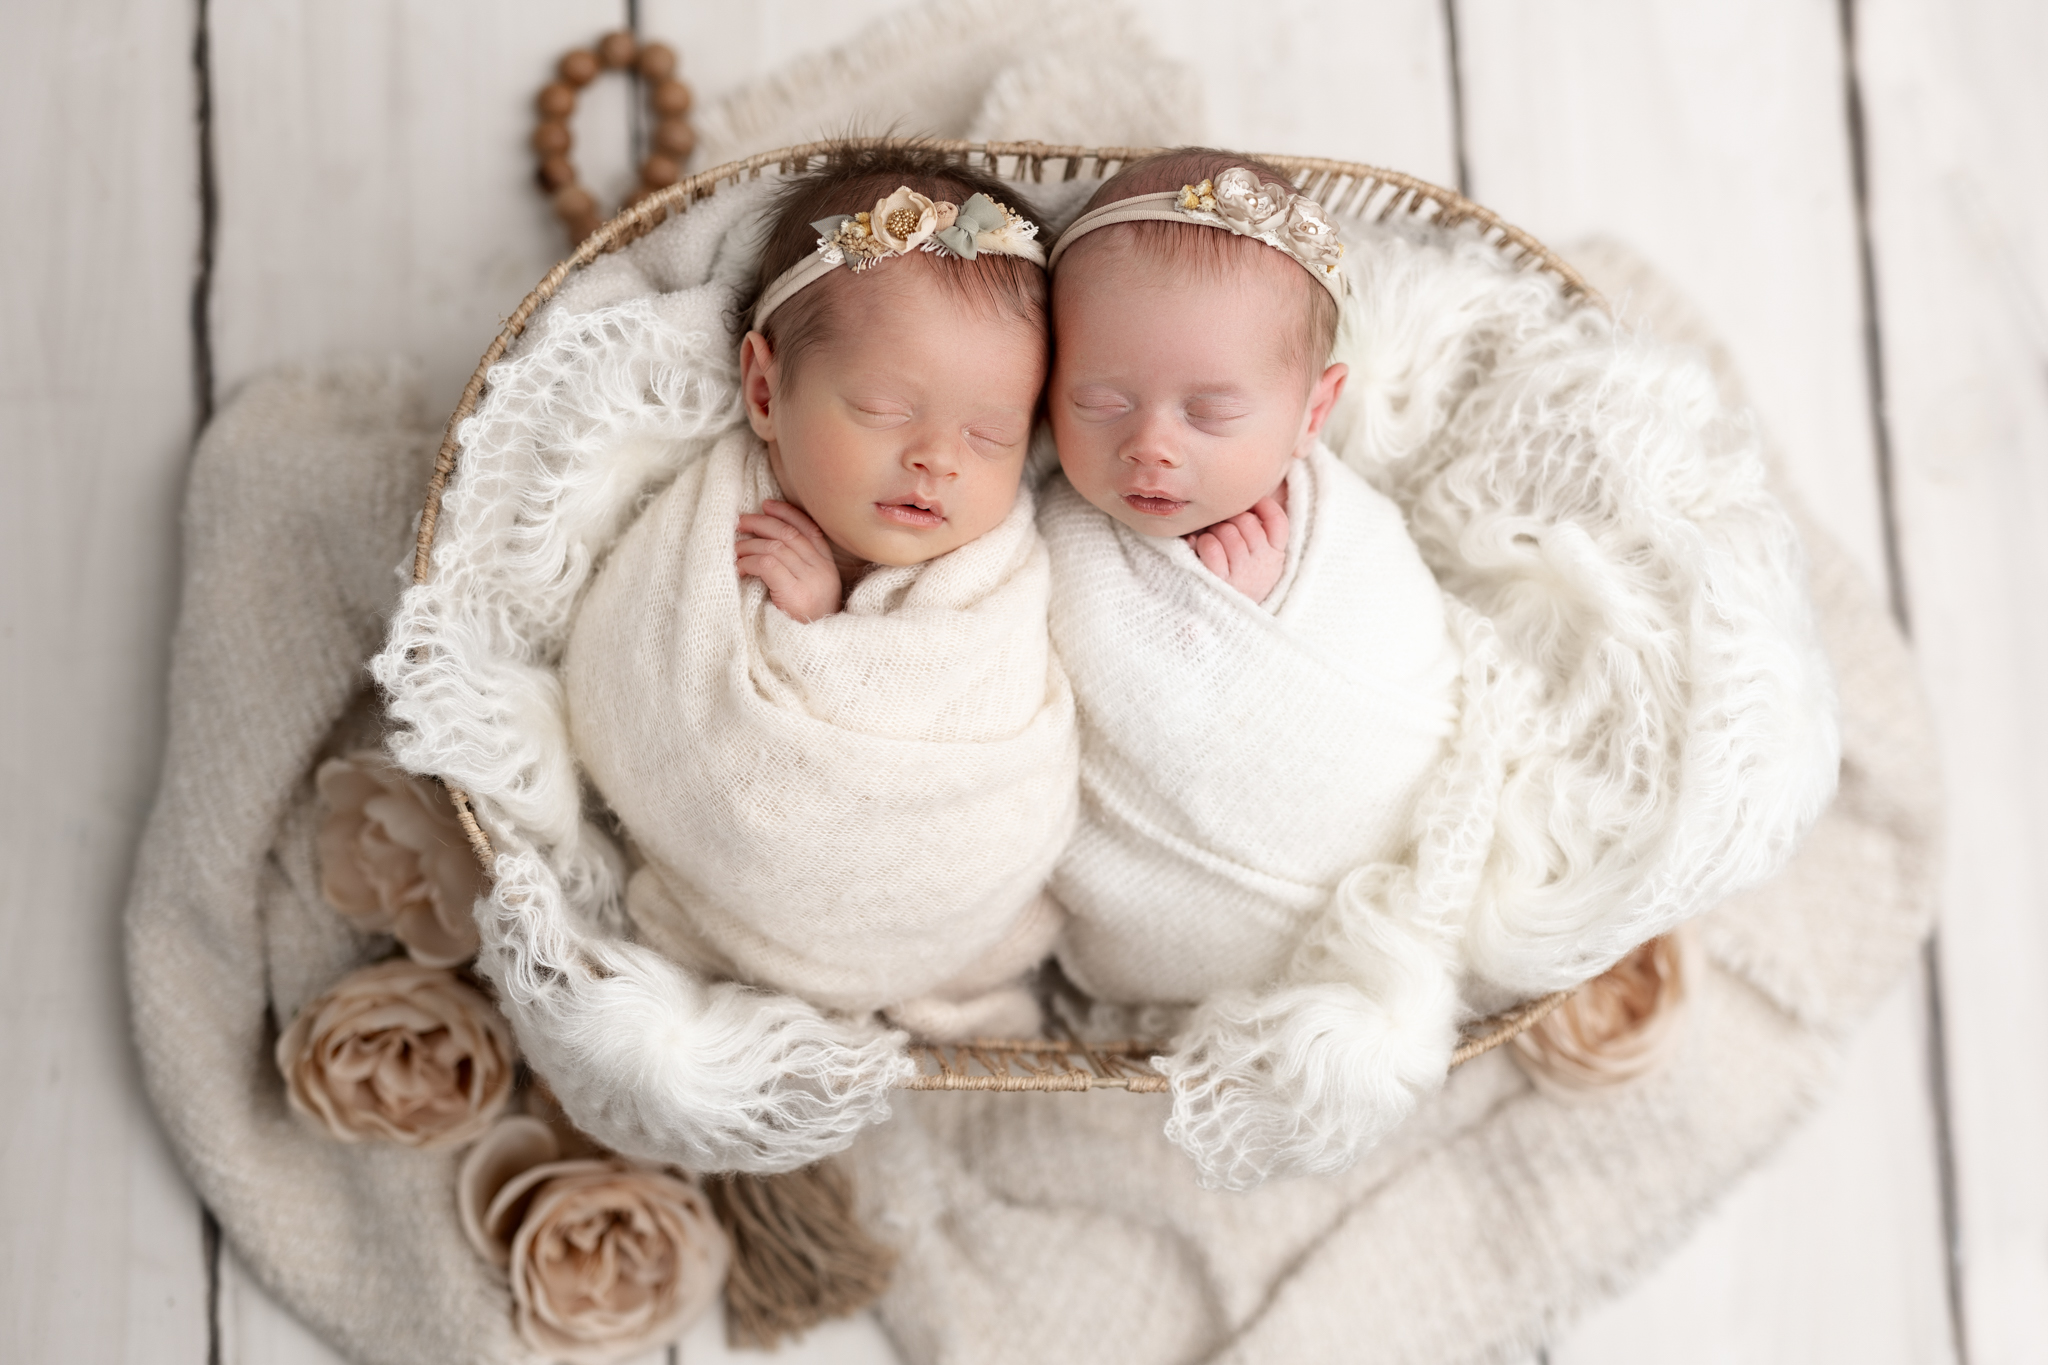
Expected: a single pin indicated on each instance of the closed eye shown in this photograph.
(1098, 405)
(880, 415)
(1210, 411)
(1003, 438)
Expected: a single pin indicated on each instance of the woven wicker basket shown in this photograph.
(1342, 187)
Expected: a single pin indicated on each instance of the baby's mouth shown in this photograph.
(1153, 505)
(917, 512)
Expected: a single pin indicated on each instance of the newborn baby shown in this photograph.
(813, 680)
(1259, 655)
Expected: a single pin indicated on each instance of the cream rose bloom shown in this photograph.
(1312, 234)
(1621, 1025)
(606, 1258)
(906, 220)
(394, 861)
(1249, 202)
(402, 1052)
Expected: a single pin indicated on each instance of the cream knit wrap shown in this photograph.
(851, 810)
(1239, 757)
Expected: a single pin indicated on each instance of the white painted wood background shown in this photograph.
(1852, 189)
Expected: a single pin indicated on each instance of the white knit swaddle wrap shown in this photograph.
(1239, 758)
(851, 810)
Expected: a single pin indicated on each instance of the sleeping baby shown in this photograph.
(813, 680)
(1259, 656)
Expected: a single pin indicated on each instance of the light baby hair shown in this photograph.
(1204, 250)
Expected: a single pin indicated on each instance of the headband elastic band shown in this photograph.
(1239, 203)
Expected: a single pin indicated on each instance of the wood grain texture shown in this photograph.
(1335, 78)
(376, 196)
(1713, 140)
(254, 1331)
(375, 182)
(1957, 120)
(1817, 1256)
(99, 1238)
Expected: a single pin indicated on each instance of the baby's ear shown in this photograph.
(1322, 399)
(758, 375)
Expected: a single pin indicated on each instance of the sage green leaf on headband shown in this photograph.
(827, 226)
(980, 214)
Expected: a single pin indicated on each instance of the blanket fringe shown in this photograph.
(799, 1253)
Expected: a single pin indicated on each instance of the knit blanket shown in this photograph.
(1240, 757)
(1030, 1227)
(853, 810)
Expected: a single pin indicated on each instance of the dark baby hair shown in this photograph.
(852, 179)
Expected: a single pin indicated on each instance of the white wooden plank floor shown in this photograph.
(371, 193)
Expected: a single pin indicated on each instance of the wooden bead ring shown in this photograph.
(668, 100)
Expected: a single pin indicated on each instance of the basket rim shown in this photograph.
(1353, 188)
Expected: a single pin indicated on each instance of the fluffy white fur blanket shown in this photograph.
(1239, 758)
(853, 810)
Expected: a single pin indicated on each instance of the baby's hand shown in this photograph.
(1249, 551)
(785, 549)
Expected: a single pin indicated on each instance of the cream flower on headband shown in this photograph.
(907, 221)
(1240, 202)
(1312, 234)
(1249, 203)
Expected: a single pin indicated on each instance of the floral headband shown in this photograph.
(904, 222)
(1240, 203)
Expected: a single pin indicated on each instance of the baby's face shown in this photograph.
(902, 435)
(1179, 398)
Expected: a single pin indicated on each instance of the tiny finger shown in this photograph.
(1273, 519)
(794, 516)
(1232, 539)
(760, 524)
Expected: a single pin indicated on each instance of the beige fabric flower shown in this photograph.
(394, 861)
(606, 1258)
(1249, 202)
(1621, 1025)
(1312, 234)
(905, 220)
(402, 1052)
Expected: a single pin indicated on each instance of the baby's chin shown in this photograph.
(899, 548)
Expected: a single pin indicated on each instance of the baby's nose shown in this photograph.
(1152, 446)
(933, 458)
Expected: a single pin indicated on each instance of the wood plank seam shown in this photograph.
(1457, 95)
(1896, 590)
(202, 405)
